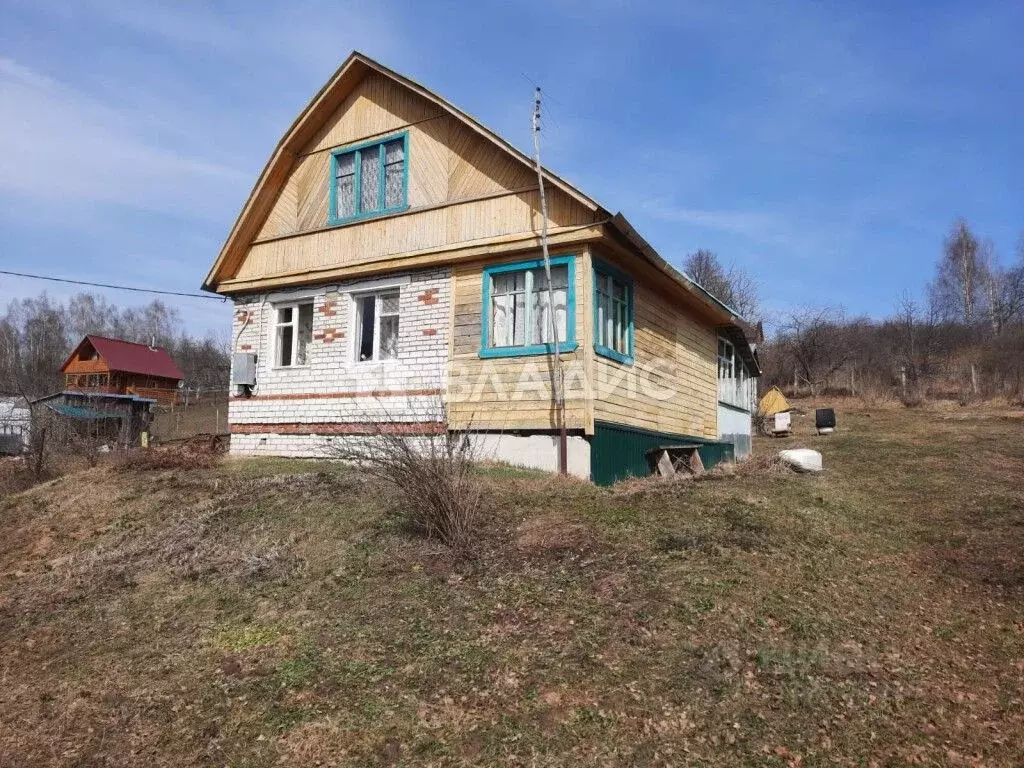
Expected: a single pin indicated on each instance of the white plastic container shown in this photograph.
(803, 459)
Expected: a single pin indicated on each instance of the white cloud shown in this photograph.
(757, 226)
(68, 150)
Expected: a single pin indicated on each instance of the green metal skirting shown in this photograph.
(617, 452)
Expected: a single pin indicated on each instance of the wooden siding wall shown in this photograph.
(664, 331)
(483, 393)
(77, 365)
(461, 189)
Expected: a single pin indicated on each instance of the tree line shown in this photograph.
(964, 339)
(38, 333)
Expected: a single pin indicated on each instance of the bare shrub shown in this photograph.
(155, 459)
(431, 472)
(913, 398)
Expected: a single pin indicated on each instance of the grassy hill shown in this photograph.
(263, 613)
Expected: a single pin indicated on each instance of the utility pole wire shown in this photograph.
(558, 379)
(110, 285)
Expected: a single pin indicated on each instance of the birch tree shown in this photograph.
(962, 275)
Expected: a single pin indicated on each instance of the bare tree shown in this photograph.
(815, 338)
(960, 280)
(731, 286)
(1005, 292)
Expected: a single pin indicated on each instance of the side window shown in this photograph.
(613, 313)
(376, 326)
(369, 180)
(725, 360)
(293, 332)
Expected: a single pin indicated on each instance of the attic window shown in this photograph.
(369, 180)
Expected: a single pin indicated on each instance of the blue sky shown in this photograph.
(825, 147)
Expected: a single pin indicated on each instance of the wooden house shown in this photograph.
(118, 367)
(388, 259)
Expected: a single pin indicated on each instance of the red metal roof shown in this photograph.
(130, 357)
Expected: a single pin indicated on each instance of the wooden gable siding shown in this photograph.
(483, 393)
(664, 330)
(99, 365)
(461, 189)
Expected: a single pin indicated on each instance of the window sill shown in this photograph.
(389, 361)
(302, 367)
(335, 222)
(533, 349)
(611, 354)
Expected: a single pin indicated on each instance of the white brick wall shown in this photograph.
(331, 368)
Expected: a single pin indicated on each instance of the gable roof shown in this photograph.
(323, 105)
(129, 357)
(303, 129)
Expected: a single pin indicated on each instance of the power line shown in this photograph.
(109, 285)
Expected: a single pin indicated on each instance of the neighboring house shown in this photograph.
(389, 259)
(15, 424)
(113, 366)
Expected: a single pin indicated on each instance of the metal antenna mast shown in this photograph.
(558, 377)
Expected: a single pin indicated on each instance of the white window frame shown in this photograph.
(294, 324)
(736, 390)
(356, 325)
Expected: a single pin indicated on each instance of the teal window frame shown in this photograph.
(602, 268)
(357, 150)
(568, 345)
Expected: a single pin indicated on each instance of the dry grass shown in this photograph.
(266, 613)
(201, 452)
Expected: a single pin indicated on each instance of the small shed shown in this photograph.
(115, 366)
(102, 416)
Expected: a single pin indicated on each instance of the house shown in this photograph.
(113, 366)
(388, 261)
(15, 424)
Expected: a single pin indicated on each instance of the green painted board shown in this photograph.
(617, 451)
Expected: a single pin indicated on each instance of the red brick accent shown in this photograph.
(347, 395)
(430, 331)
(246, 347)
(429, 297)
(327, 309)
(245, 316)
(355, 428)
